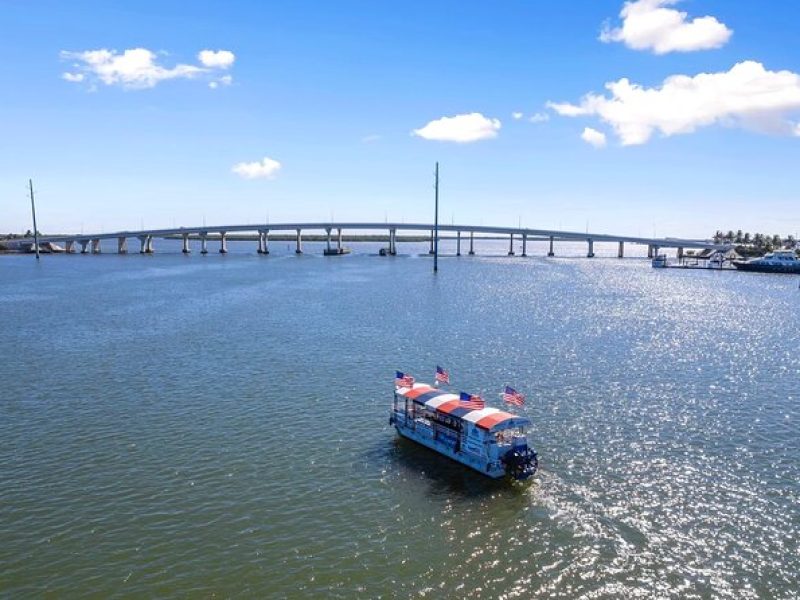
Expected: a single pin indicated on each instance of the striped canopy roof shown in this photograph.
(449, 404)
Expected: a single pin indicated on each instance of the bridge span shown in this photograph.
(91, 243)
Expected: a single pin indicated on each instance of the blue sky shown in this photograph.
(332, 93)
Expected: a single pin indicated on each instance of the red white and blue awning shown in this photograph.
(488, 418)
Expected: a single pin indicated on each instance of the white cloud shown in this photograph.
(516, 115)
(266, 168)
(465, 128)
(369, 139)
(593, 137)
(747, 96)
(539, 117)
(221, 59)
(135, 68)
(649, 25)
(224, 80)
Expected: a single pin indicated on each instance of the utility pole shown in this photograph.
(33, 212)
(436, 224)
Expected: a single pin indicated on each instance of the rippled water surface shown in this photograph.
(217, 426)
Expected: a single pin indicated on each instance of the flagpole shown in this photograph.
(436, 224)
(35, 230)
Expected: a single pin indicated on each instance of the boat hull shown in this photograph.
(756, 268)
(495, 470)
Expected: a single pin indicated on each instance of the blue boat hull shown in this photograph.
(754, 267)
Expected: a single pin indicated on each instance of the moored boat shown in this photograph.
(659, 261)
(780, 261)
(488, 440)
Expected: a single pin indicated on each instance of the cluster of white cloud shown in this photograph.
(219, 59)
(539, 117)
(649, 25)
(138, 68)
(470, 127)
(266, 168)
(593, 137)
(748, 95)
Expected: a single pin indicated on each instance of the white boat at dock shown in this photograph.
(780, 261)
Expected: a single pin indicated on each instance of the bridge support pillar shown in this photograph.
(590, 253)
(69, 246)
(84, 246)
(122, 245)
(339, 240)
(431, 250)
(223, 242)
(203, 242)
(656, 249)
(266, 241)
(680, 253)
(524, 244)
(458, 243)
(149, 245)
(186, 249)
(511, 245)
(260, 242)
(471, 246)
(142, 244)
(621, 251)
(393, 242)
(299, 248)
(650, 251)
(550, 252)
(328, 240)
(95, 246)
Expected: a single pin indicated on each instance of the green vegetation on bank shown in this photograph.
(756, 244)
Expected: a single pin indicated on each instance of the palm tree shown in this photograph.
(747, 239)
(739, 236)
(777, 242)
(730, 235)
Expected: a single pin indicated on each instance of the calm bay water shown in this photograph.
(217, 426)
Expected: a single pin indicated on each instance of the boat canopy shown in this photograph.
(490, 419)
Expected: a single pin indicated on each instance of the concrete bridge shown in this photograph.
(91, 243)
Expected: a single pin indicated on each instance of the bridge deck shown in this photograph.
(426, 227)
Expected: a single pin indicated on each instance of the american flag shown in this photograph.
(471, 401)
(403, 380)
(512, 396)
(442, 376)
